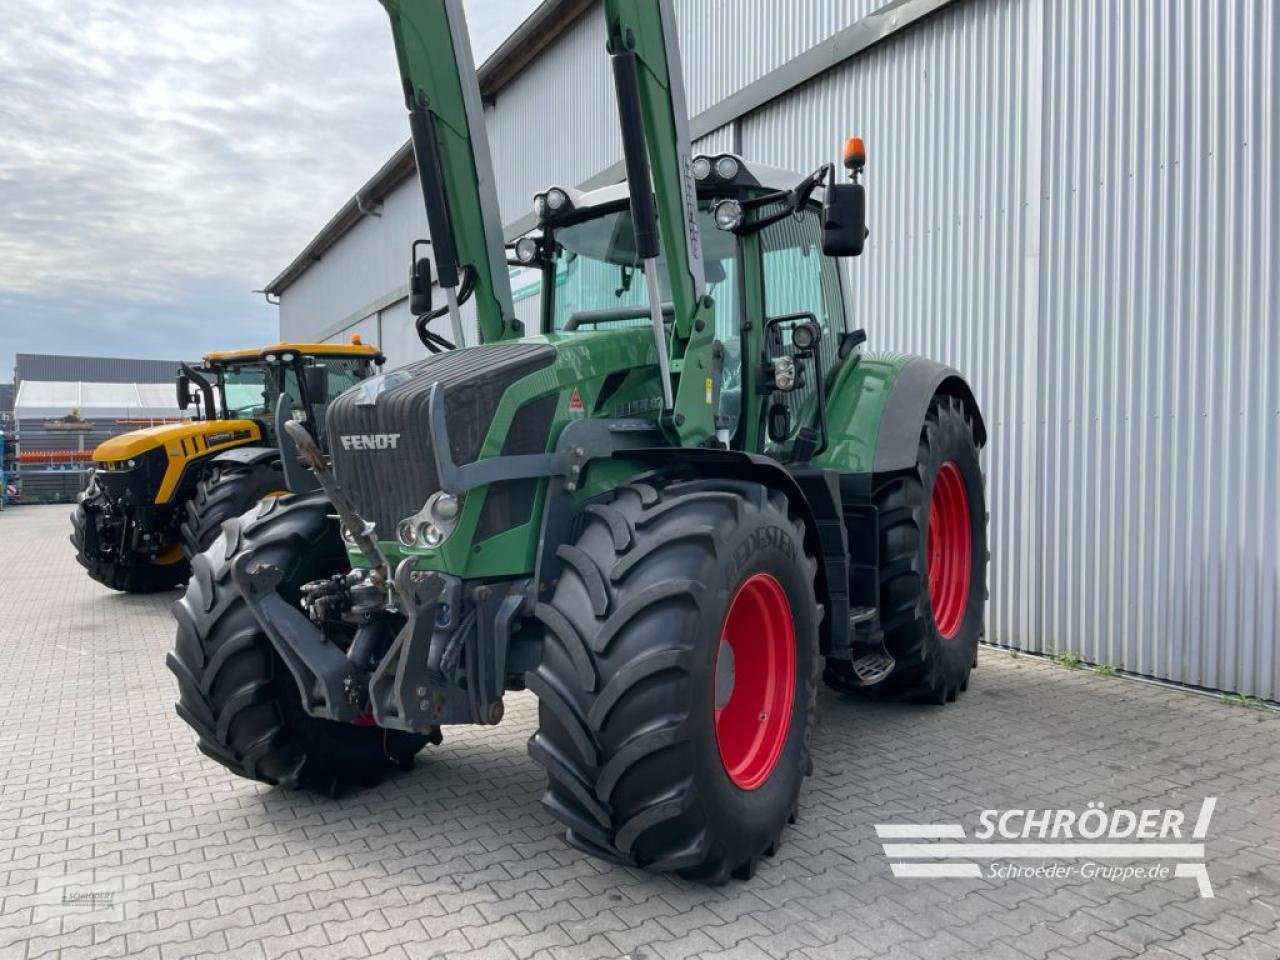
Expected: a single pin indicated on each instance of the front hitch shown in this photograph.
(331, 685)
(446, 664)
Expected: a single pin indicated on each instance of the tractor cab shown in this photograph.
(781, 318)
(247, 384)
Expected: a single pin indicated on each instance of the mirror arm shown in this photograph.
(791, 200)
(206, 391)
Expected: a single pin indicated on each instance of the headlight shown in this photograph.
(556, 199)
(727, 214)
(431, 525)
(445, 507)
(804, 336)
(701, 168)
(540, 205)
(726, 168)
(526, 249)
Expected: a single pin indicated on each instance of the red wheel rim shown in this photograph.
(755, 681)
(949, 550)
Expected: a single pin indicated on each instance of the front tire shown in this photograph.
(128, 574)
(226, 491)
(234, 690)
(677, 685)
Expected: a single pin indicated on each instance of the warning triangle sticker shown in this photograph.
(575, 401)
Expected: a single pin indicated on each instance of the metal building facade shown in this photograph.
(1073, 202)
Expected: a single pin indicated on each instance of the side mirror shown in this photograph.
(844, 220)
(420, 283)
(316, 379)
(184, 391)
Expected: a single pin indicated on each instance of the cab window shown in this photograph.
(800, 283)
(341, 374)
(246, 392)
(798, 278)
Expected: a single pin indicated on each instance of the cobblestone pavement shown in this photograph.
(103, 790)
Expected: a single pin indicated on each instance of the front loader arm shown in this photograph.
(446, 121)
(655, 128)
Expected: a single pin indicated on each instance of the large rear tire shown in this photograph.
(137, 574)
(933, 560)
(233, 689)
(678, 678)
(226, 491)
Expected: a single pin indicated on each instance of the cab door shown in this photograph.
(796, 283)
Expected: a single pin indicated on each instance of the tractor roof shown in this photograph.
(350, 350)
(750, 174)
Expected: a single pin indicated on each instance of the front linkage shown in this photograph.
(425, 648)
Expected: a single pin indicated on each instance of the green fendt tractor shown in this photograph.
(667, 513)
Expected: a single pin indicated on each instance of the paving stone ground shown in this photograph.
(103, 790)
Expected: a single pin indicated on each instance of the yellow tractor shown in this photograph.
(156, 497)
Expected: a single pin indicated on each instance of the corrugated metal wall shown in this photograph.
(1074, 203)
(64, 367)
(1160, 338)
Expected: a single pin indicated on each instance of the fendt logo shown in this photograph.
(370, 441)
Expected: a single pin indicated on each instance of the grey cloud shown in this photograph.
(159, 160)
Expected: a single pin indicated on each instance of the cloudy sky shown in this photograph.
(160, 160)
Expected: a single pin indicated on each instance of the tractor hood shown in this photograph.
(501, 399)
(180, 439)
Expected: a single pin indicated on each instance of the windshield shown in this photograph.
(600, 280)
(247, 392)
(600, 285)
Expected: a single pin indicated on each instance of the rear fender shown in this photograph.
(876, 409)
(906, 406)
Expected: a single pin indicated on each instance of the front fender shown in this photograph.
(246, 456)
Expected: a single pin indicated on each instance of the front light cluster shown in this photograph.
(725, 167)
(431, 525)
(784, 373)
(551, 203)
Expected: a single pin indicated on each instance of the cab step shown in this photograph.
(869, 662)
(872, 668)
(861, 615)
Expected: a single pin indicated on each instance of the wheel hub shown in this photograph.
(948, 547)
(754, 681)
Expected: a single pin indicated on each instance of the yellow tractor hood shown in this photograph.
(135, 442)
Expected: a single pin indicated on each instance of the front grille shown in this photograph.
(390, 483)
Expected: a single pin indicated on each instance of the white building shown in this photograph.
(1072, 202)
